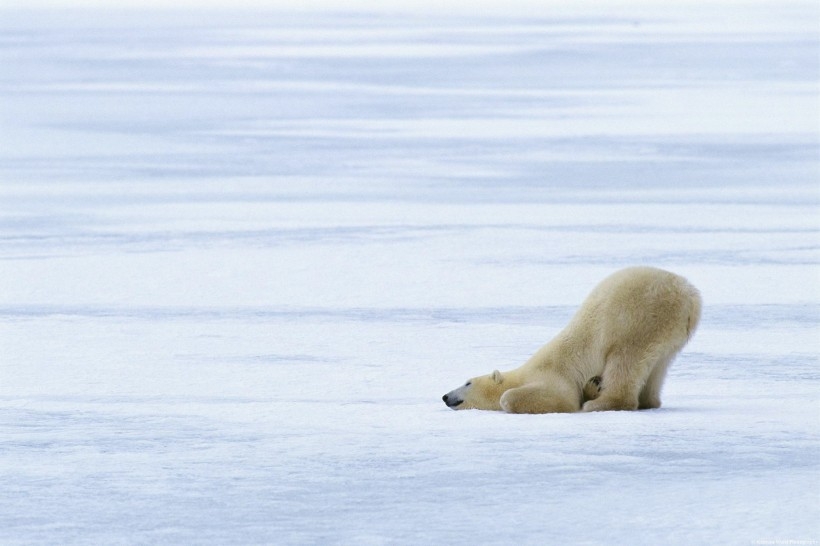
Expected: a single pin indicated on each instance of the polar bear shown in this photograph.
(613, 354)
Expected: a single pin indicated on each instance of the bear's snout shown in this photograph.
(451, 401)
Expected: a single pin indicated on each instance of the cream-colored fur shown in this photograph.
(613, 354)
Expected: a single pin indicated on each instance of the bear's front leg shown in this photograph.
(592, 389)
(537, 398)
(607, 402)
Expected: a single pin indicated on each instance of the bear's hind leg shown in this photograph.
(650, 397)
(624, 375)
(537, 398)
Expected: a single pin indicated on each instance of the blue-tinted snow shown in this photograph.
(243, 254)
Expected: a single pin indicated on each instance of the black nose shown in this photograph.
(451, 402)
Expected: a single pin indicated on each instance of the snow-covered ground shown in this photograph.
(242, 256)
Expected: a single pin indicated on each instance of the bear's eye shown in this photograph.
(468, 383)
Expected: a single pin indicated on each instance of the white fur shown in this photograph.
(628, 331)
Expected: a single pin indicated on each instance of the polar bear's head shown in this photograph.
(478, 393)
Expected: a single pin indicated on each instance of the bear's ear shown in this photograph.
(497, 377)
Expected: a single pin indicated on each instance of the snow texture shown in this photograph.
(243, 254)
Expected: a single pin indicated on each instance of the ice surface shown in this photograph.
(243, 254)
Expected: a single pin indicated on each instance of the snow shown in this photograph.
(244, 253)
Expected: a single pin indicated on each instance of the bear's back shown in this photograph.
(637, 304)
